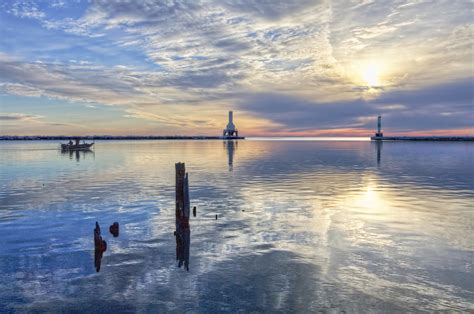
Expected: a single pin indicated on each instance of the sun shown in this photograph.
(370, 74)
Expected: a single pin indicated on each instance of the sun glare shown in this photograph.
(370, 74)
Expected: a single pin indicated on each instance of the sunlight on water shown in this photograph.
(303, 225)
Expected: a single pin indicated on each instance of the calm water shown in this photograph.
(302, 226)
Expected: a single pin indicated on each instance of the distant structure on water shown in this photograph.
(379, 136)
(379, 127)
(230, 132)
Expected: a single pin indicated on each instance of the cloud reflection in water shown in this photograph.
(325, 225)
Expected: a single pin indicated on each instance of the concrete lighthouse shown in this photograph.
(230, 132)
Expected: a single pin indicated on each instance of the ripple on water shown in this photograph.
(301, 226)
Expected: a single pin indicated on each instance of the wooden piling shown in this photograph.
(183, 233)
(187, 202)
(100, 247)
(180, 173)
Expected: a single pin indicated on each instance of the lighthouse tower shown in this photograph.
(379, 127)
(230, 130)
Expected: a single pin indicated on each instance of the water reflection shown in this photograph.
(98, 259)
(306, 226)
(378, 145)
(230, 147)
(183, 242)
(78, 154)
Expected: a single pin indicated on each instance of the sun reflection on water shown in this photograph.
(319, 221)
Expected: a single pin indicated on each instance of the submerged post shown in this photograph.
(183, 232)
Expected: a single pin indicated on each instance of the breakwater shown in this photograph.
(112, 137)
(423, 138)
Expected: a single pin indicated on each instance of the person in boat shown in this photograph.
(70, 143)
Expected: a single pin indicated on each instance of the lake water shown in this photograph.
(302, 226)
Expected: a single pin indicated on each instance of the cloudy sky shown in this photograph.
(301, 68)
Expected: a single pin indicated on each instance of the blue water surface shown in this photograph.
(302, 226)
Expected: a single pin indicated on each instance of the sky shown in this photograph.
(286, 68)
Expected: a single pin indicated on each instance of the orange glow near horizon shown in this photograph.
(254, 132)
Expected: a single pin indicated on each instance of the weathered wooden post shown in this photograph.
(100, 247)
(183, 232)
(180, 173)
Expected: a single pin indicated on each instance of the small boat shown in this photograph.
(77, 146)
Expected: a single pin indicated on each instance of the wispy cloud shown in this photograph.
(26, 9)
(306, 59)
(19, 117)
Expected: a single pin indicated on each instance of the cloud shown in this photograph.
(76, 83)
(295, 57)
(186, 38)
(26, 9)
(23, 121)
(85, 82)
(455, 93)
(162, 119)
(19, 117)
(442, 106)
(271, 9)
